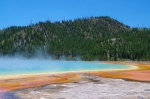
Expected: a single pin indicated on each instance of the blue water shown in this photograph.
(23, 66)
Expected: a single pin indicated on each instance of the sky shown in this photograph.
(135, 13)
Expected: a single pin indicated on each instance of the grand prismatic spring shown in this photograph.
(27, 73)
(18, 67)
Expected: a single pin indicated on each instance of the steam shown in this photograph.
(39, 62)
(21, 65)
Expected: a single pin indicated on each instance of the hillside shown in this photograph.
(95, 38)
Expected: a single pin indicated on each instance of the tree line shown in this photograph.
(94, 38)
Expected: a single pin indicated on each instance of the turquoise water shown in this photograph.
(21, 66)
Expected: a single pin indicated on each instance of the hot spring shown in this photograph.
(36, 66)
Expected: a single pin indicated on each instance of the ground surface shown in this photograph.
(91, 87)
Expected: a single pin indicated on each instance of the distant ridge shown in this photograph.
(94, 38)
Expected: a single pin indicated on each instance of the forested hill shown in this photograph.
(95, 38)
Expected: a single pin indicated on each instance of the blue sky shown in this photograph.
(135, 13)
